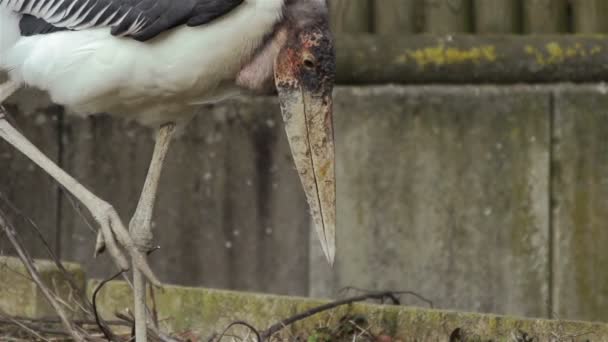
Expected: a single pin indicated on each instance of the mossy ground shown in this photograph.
(203, 312)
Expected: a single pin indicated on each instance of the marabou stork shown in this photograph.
(153, 60)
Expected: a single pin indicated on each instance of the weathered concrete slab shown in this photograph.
(580, 203)
(19, 295)
(230, 212)
(444, 191)
(23, 183)
(204, 312)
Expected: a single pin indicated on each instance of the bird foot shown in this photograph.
(100, 246)
(113, 234)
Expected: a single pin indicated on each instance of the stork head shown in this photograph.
(304, 78)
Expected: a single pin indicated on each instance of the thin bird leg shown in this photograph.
(140, 225)
(110, 224)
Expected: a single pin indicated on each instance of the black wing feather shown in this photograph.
(155, 16)
(166, 14)
(161, 15)
(32, 26)
(207, 11)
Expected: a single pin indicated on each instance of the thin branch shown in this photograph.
(33, 224)
(393, 298)
(88, 306)
(154, 311)
(273, 329)
(68, 276)
(107, 332)
(15, 272)
(23, 326)
(243, 323)
(53, 320)
(28, 262)
(154, 332)
(77, 208)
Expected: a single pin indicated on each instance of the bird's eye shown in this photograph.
(308, 63)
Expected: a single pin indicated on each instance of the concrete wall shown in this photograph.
(484, 198)
(445, 192)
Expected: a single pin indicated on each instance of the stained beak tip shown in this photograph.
(328, 244)
(331, 258)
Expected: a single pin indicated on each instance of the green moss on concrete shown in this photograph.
(207, 311)
(183, 308)
(580, 165)
(19, 296)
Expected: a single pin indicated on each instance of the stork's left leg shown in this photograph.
(140, 225)
(109, 222)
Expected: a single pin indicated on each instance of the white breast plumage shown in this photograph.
(92, 71)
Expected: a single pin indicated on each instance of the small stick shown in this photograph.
(394, 295)
(130, 321)
(273, 329)
(104, 328)
(52, 320)
(68, 276)
(154, 310)
(243, 323)
(88, 308)
(28, 262)
(25, 327)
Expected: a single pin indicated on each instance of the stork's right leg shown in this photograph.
(109, 222)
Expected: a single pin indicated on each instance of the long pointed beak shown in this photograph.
(309, 125)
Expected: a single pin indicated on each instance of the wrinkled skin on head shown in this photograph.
(304, 77)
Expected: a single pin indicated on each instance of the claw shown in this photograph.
(139, 261)
(117, 256)
(100, 245)
(152, 250)
(109, 241)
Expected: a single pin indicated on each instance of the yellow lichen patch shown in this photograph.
(440, 55)
(538, 55)
(554, 53)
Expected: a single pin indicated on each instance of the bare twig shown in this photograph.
(33, 224)
(394, 297)
(15, 272)
(53, 320)
(154, 311)
(107, 332)
(67, 275)
(78, 208)
(28, 262)
(155, 333)
(88, 308)
(361, 329)
(24, 327)
(273, 329)
(255, 331)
